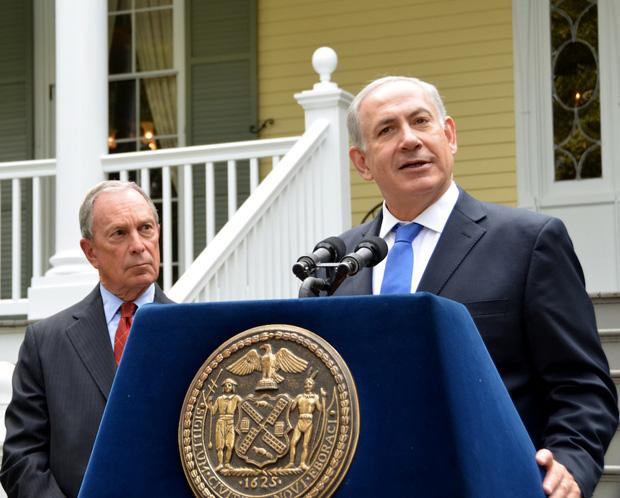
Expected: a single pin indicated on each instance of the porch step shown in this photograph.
(610, 339)
(609, 485)
(607, 310)
(612, 457)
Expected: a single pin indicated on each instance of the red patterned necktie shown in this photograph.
(122, 331)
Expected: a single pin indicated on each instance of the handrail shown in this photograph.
(176, 166)
(189, 285)
(27, 169)
(113, 163)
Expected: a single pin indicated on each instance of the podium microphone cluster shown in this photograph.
(327, 251)
(330, 255)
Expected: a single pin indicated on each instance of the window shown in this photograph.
(142, 76)
(567, 124)
(566, 114)
(575, 90)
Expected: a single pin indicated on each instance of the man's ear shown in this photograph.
(450, 131)
(358, 158)
(89, 252)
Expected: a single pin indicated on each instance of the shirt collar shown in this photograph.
(433, 217)
(111, 302)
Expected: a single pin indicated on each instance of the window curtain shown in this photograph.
(112, 6)
(154, 52)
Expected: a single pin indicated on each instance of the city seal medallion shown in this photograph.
(272, 413)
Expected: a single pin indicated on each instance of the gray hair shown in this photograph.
(86, 209)
(353, 119)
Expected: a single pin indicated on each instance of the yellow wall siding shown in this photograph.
(465, 48)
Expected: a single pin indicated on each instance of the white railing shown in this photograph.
(251, 257)
(174, 168)
(177, 168)
(20, 174)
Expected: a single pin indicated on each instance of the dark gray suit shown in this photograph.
(517, 273)
(60, 386)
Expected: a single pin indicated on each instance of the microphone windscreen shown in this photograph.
(377, 246)
(335, 245)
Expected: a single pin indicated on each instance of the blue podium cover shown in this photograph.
(435, 417)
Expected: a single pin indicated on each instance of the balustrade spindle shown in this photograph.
(188, 218)
(231, 175)
(16, 238)
(37, 246)
(210, 200)
(145, 180)
(254, 173)
(167, 226)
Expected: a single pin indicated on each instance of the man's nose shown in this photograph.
(409, 138)
(136, 243)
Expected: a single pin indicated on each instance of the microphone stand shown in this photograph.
(313, 286)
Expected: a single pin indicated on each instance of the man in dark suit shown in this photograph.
(515, 270)
(67, 362)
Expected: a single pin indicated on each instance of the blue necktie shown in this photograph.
(399, 265)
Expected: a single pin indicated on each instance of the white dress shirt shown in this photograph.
(112, 307)
(433, 220)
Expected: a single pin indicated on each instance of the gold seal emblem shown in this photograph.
(272, 413)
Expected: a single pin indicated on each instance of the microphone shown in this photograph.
(368, 253)
(326, 251)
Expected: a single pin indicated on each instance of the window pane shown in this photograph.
(119, 147)
(156, 143)
(122, 109)
(562, 124)
(158, 110)
(576, 105)
(116, 5)
(591, 163)
(154, 40)
(119, 31)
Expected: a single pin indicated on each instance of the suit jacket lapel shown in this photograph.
(90, 338)
(160, 297)
(459, 236)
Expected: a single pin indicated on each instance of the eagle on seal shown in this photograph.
(268, 364)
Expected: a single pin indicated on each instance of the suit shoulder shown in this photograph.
(352, 236)
(357, 230)
(518, 218)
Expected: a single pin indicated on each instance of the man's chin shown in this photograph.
(142, 278)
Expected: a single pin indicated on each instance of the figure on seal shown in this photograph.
(306, 403)
(226, 405)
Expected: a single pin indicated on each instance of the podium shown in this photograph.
(435, 417)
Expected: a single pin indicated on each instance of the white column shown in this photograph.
(327, 101)
(81, 140)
